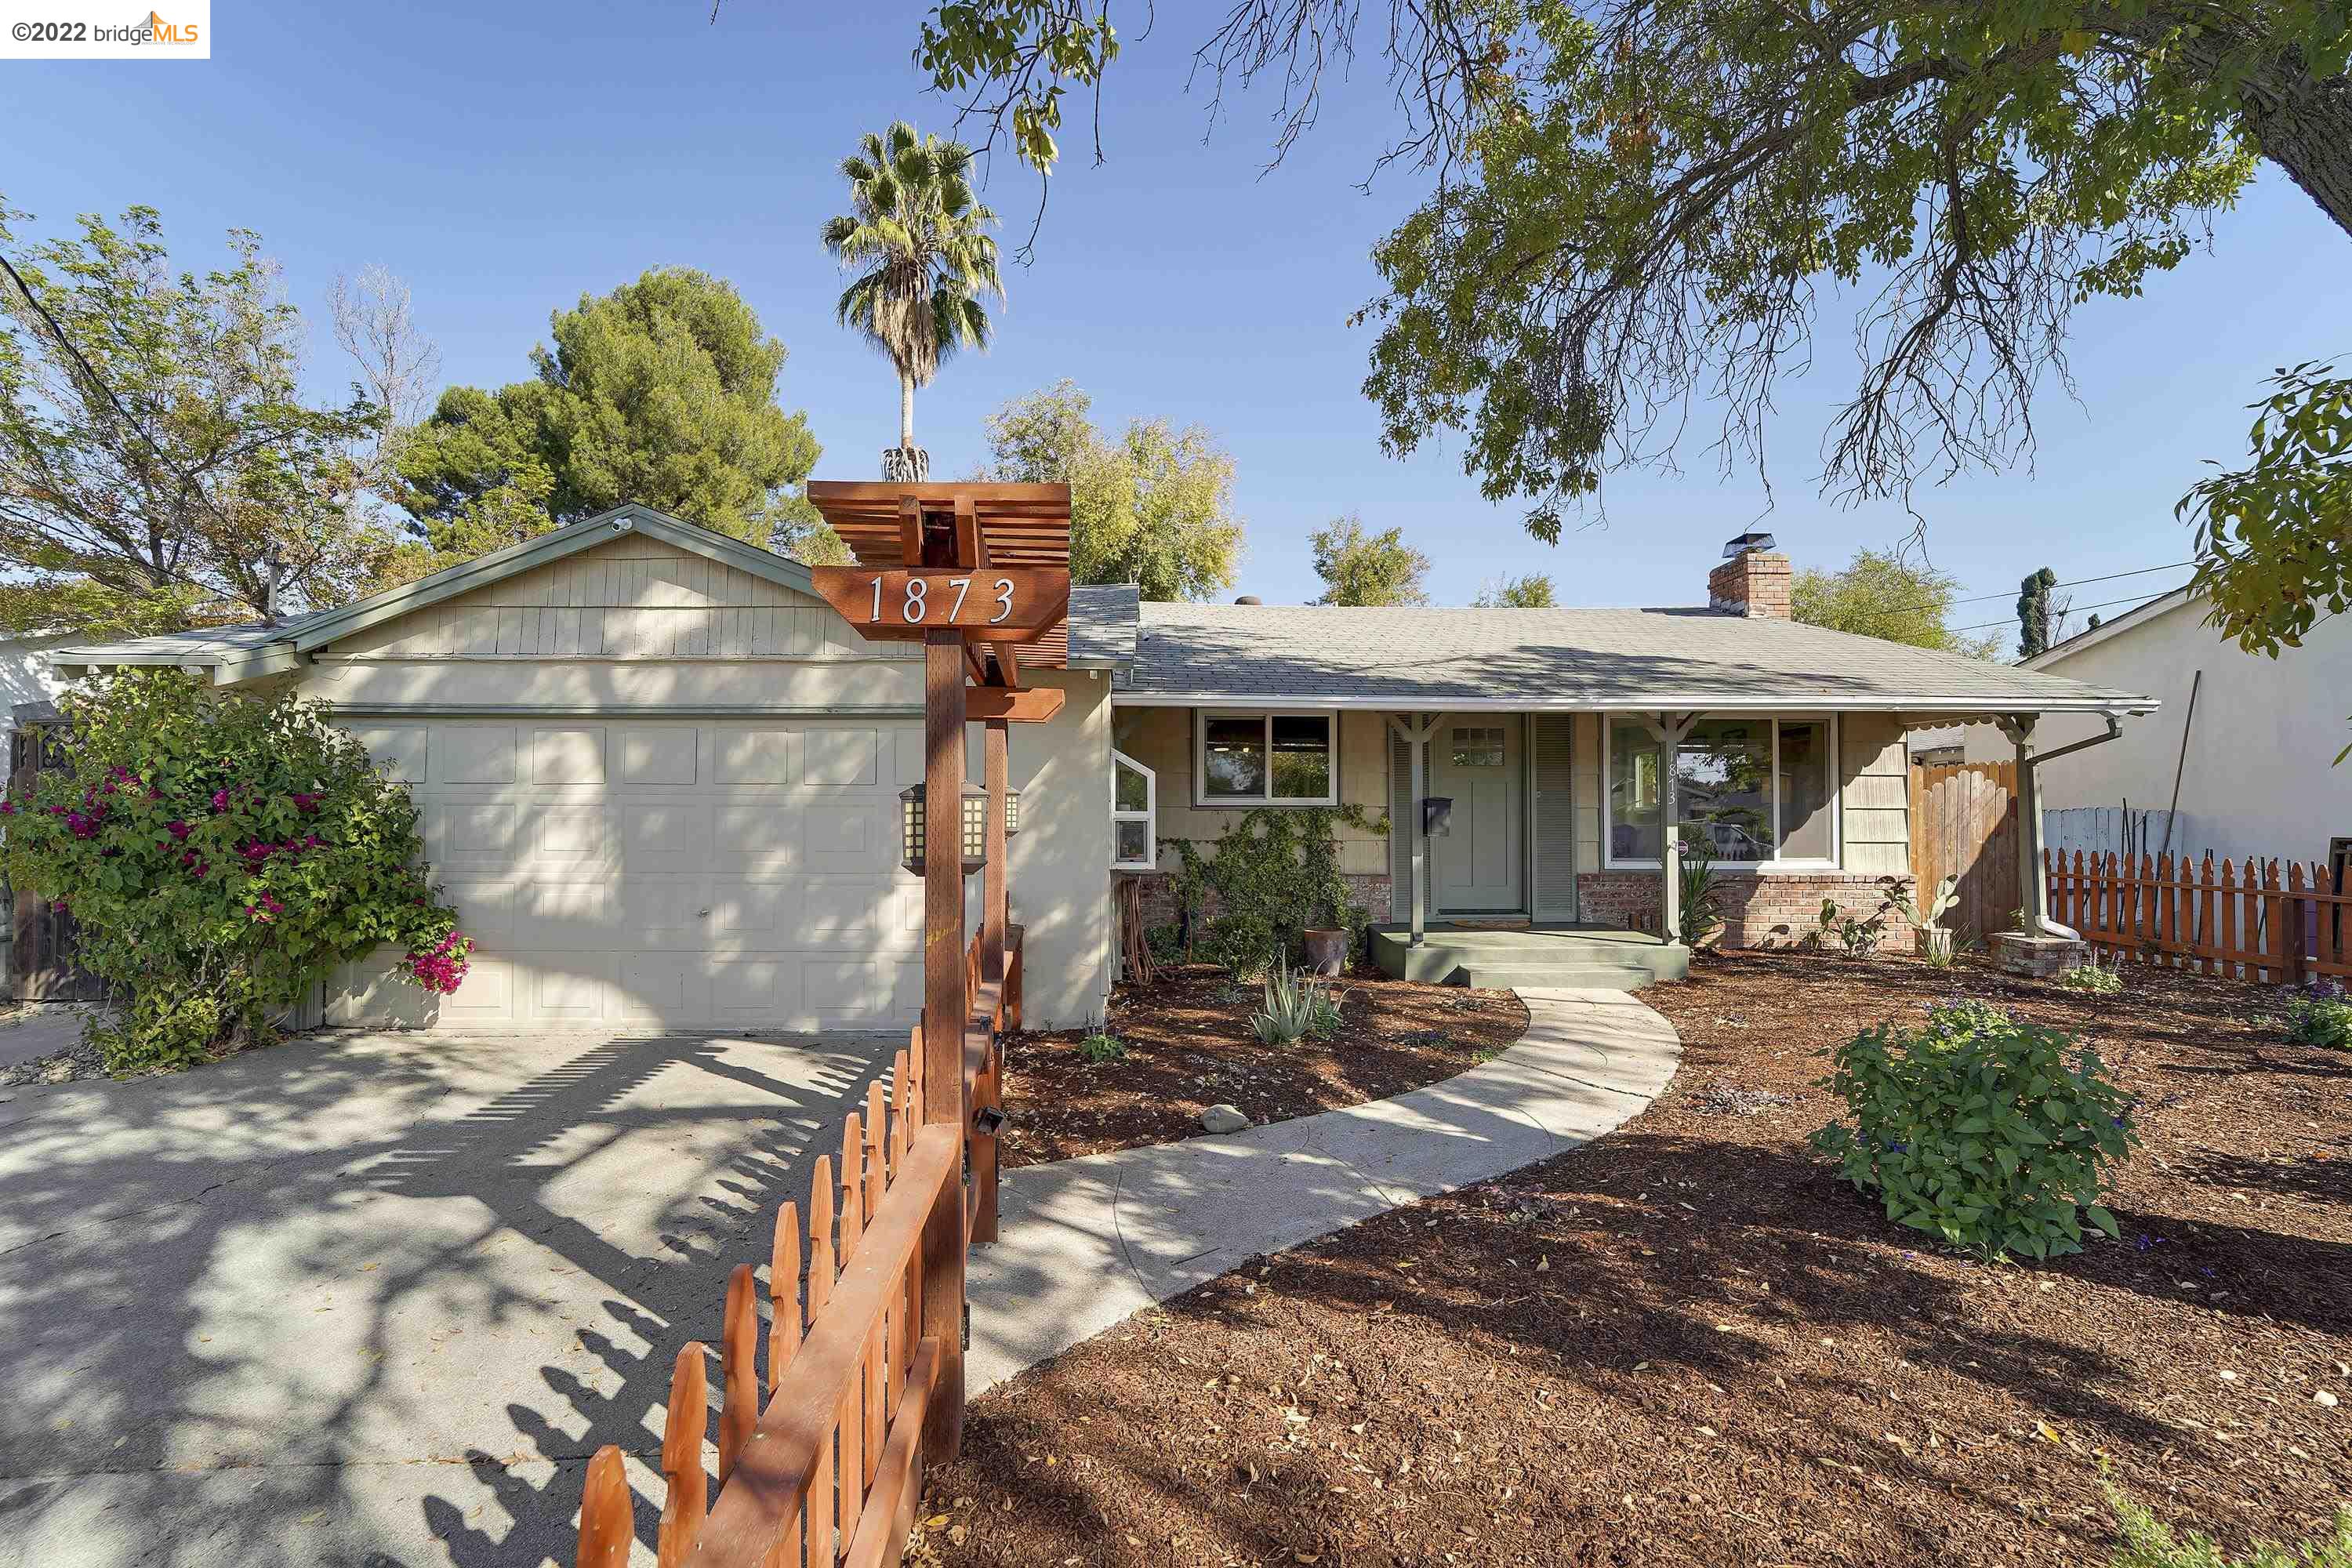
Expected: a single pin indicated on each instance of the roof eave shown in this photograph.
(1711, 702)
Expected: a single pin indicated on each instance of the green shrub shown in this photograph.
(1166, 942)
(2141, 1541)
(1098, 1049)
(1995, 1133)
(2093, 977)
(219, 854)
(1858, 936)
(1296, 1005)
(1274, 875)
(2320, 1015)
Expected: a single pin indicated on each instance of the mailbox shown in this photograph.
(1436, 816)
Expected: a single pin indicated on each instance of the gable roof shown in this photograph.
(1323, 655)
(259, 647)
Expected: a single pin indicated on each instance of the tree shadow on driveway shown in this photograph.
(375, 1300)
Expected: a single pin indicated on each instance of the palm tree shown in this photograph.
(920, 235)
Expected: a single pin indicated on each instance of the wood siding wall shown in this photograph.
(1161, 740)
(636, 598)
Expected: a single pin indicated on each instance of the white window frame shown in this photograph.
(1149, 815)
(1266, 716)
(1836, 857)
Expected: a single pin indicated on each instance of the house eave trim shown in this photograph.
(1814, 702)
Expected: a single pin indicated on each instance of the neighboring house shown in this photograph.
(25, 677)
(2253, 760)
(660, 777)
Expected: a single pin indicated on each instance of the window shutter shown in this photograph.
(1555, 857)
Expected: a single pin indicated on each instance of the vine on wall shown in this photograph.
(1271, 876)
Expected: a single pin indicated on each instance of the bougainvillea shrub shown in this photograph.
(219, 854)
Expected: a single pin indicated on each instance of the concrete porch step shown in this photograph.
(1561, 976)
(1609, 960)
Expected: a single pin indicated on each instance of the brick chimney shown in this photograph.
(1753, 579)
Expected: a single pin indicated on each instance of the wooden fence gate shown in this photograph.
(41, 966)
(1964, 824)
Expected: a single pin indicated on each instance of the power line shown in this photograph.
(2136, 572)
(2071, 609)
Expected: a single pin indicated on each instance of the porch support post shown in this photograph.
(994, 910)
(943, 1027)
(1668, 729)
(1414, 729)
(2032, 891)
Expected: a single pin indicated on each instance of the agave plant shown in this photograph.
(1297, 1005)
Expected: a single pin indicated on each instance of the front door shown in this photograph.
(1476, 759)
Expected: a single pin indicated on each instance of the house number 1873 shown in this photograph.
(916, 607)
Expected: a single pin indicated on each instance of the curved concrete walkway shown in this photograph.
(1086, 1242)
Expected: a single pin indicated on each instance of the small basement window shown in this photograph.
(1267, 759)
(1134, 815)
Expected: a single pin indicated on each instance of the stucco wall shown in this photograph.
(2260, 777)
(1161, 740)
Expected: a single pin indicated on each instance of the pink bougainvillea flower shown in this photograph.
(220, 800)
(176, 829)
(303, 802)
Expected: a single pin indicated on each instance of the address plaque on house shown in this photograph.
(1010, 604)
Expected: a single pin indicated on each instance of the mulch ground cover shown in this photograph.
(1189, 1046)
(1687, 1343)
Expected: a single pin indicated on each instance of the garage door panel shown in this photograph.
(568, 833)
(756, 986)
(477, 830)
(760, 834)
(478, 753)
(861, 993)
(748, 754)
(660, 756)
(572, 989)
(848, 838)
(839, 757)
(568, 756)
(488, 994)
(552, 917)
(484, 910)
(664, 835)
(671, 915)
(652, 987)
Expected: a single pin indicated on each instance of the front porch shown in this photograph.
(1552, 954)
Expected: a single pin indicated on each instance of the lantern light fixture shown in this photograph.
(914, 829)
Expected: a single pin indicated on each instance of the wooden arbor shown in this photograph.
(866, 1387)
(975, 572)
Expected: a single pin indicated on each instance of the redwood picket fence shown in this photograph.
(2243, 923)
(828, 1472)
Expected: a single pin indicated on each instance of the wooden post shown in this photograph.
(943, 1025)
(1414, 731)
(993, 910)
(1669, 732)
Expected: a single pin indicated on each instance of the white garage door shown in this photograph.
(678, 873)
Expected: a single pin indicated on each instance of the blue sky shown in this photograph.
(505, 159)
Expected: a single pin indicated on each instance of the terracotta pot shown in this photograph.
(1326, 951)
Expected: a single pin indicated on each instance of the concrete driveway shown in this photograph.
(373, 1300)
